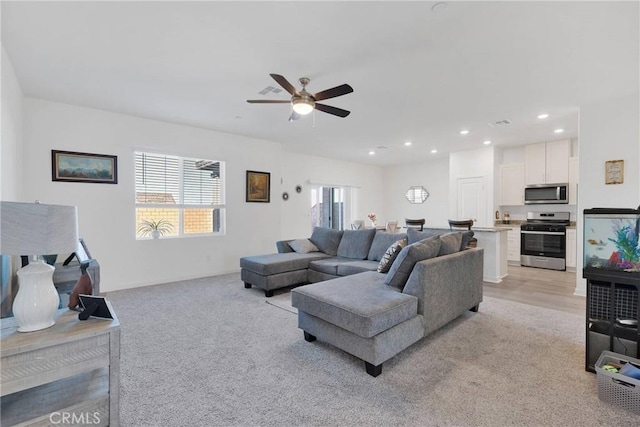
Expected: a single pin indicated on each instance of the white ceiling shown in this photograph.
(417, 75)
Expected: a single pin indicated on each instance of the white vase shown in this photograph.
(155, 234)
(37, 299)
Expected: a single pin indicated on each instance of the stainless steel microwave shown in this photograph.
(546, 194)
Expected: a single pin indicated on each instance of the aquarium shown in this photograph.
(611, 239)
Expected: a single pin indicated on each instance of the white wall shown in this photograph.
(609, 130)
(432, 175)
(106, 212)
(11, 151)
(364, 181)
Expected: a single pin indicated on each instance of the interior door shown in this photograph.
(472, 200)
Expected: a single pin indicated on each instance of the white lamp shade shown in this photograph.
(37, 229)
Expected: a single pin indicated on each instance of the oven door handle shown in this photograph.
(551, 233)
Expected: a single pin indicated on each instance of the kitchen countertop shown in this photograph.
(492, 229)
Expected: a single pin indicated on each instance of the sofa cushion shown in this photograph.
(326, 239)
(303, 246)
(450, 243)
(266, 265)
(355, 244)
(356, 266)
(381, 243)
(328, 265)
(361, 303)
(390, 255)
(466, 239)
(414, 235)
(409, 255)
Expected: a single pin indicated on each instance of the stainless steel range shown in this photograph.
(543, 240)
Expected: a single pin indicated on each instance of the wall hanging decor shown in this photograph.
(614, 172)
(72, 166)
(417, 194)
(258, 186)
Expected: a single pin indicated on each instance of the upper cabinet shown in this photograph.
(547, 163)
(512, 184)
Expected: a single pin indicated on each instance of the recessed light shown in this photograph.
(558, 131)
(543, 116)
(371, 153)
(464, 132)
(487, 142)
(408, 143)
(434, 151)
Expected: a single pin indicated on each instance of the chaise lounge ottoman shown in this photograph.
(275, 271)
(361, 315)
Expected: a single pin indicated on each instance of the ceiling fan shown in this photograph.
(303, 102)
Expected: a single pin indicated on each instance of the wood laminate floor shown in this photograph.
(539, 287)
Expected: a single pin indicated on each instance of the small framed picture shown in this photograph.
(71, 166)
(614, 172)
(258, 186)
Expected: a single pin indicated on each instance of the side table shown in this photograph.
(66, 374)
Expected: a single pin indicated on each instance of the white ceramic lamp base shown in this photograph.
(37, 300)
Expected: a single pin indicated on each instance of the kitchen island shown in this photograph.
(494, 242)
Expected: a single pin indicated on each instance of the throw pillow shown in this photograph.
(407, 259)
(303, 246)
(390, 255)
(450, 243)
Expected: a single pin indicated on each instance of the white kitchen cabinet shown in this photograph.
(547, 162)
(512, 184)
(573, 180)
(571, 254)
(513, 246)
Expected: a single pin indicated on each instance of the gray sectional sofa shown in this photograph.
(432, 279)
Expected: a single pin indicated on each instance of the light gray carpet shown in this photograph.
(208, 352)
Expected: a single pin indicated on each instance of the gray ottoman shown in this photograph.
(361, 315)
(275, 271)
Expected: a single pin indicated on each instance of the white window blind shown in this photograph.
(186, 192)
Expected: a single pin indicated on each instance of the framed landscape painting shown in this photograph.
(71, 166)
(258, 186)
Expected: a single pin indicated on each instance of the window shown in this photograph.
(185, 193)
(327, 207)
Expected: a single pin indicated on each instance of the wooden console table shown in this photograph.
(66, 374)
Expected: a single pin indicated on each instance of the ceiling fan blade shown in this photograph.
(284, 83)
(333, 92)
(268, 101)
(332, 110)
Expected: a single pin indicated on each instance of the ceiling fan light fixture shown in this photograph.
(303, 104)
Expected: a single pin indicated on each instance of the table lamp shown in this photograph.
(36, 229)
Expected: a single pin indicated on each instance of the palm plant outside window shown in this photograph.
(187, 193)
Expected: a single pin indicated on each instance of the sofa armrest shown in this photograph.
(283, 246)
(446, 286)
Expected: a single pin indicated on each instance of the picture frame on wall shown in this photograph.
(614, 172)
(258, 186)
(72, 166)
